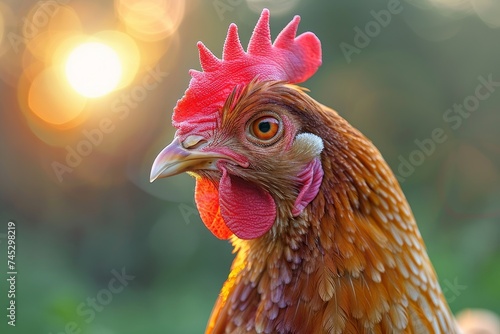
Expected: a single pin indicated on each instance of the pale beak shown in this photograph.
(176, 158)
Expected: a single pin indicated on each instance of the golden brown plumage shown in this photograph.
(325, 240)
(353, 262)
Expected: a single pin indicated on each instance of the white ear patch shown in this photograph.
(308, 144)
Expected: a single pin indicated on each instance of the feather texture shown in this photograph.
(325, 240)
(352, 262)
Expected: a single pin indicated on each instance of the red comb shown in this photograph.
(290, 58)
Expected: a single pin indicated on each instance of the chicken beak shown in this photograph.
(176, 158)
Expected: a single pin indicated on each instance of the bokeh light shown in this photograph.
(488, 11)
(93, 69)
(150, 20)
(63, 24)
(127, 50)
(452, 4)
(5, 20)
(434, 28)
(52, 100)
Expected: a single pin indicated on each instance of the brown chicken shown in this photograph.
(325, 240)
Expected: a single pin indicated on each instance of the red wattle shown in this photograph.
(206, 196)
(248, 210)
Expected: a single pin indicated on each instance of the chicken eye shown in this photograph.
(265, 128)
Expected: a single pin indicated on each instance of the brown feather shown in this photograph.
(352, 262)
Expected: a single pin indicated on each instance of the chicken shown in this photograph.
(325, 240)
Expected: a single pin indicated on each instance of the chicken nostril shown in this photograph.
(194, 142)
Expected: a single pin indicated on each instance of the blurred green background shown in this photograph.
(78, 227)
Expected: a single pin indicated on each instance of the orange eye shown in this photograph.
(265, 128)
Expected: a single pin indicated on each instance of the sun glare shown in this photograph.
(93, 69)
